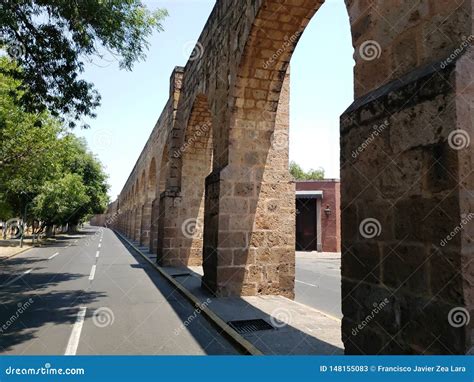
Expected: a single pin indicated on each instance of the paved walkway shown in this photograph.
(298, 329)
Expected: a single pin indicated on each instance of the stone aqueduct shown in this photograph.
(218, 156)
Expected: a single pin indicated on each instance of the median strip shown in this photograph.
(73, 342)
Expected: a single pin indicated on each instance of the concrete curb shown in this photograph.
(3, 258)
(238, 340)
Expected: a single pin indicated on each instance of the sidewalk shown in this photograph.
(10, 251)
(296, 329)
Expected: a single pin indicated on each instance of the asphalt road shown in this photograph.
(318, 281)
(89, 295)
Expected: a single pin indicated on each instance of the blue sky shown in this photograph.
(321, 89)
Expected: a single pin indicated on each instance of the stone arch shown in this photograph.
(130, 212)
(147, 232)
(160, 227)
(142, 199)
(164, 170)
(194, 162)
(135, 213)
(253, 252)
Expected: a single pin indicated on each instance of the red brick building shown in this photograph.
(318, 215)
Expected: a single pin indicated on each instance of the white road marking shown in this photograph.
(302, 282)
(53, 256)
(91, 276)
(97, 254)
(17, 278)
(73, 343)
(99, 245)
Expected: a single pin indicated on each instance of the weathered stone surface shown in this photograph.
(220, 154)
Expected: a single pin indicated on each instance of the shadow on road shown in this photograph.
(35, 300)
(303, 343)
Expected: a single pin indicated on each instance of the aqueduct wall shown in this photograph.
(212, 187)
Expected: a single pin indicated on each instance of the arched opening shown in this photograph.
(131, 216)
(321, 90)
(158, 208)
(386, 257)
(136, 206)
(147, 233)
(196, 165)
(141, 208)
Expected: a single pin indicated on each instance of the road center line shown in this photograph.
(17, 278)
(53, 256)
(91, 276)
(302, 282)
(99, 245)
(73, 343)
(97, 254)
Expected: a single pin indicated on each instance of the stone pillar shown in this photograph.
(146, 224)
(138, 222)
(407, 194)
(155, 205)
(249, 224)
(130, 224)
(169, 235)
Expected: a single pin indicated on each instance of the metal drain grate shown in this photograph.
(181, 275)
(250, 326)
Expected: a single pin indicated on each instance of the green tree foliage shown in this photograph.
(50, 39)
(299, 174)
(44, 168)
(60, 199)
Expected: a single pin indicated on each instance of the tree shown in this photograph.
(60, 199)
(40, 162)
(50, 39)
(78, 160)
(299, 174)
(28, 152)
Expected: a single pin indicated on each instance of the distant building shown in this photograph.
(318, 215)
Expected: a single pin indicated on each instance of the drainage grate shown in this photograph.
(250, 326)
(181, 275)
